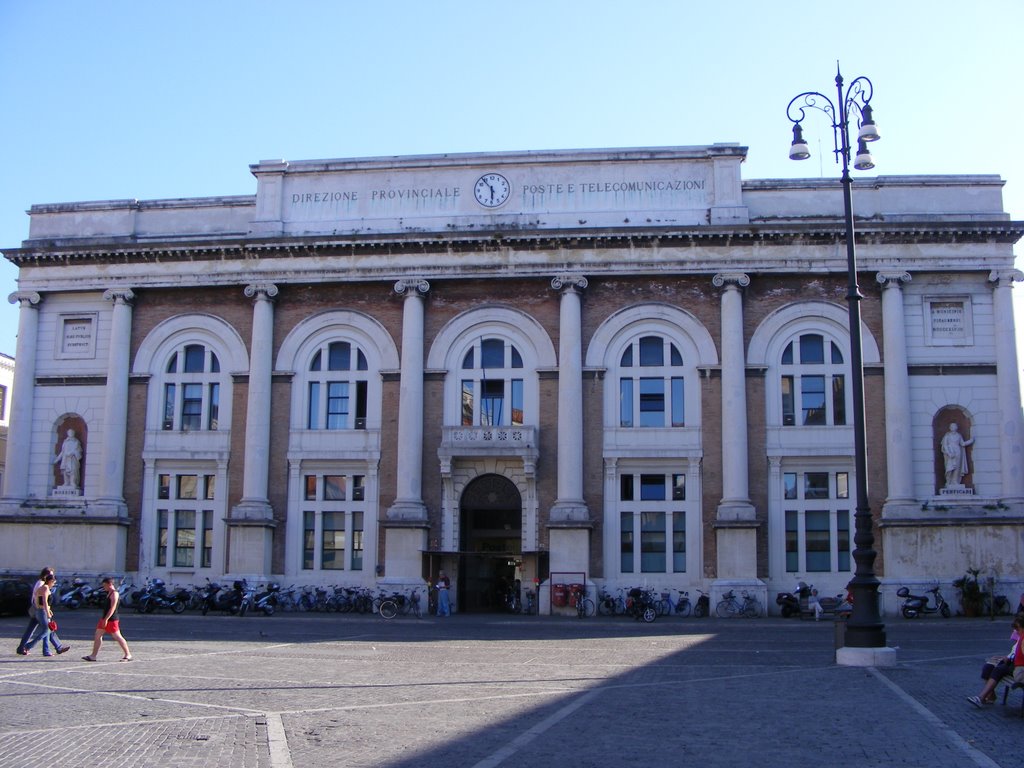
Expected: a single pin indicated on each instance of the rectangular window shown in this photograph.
(816, 485)
(492, 402)
(788, 403)
(209, 487)
(334, 487)
(213, 418)
(184, 538)
(625, 402)
(467, 403)
(308, 540)
(358, 487)
(789, 485)
(652, 351)
(361, 405)
(626, 488)
(842, 485)
(517, 402)
(207, 538)
(818, 541)
(3, 402)
(332, 553)
(652, 487)
(652, 402)
(792, 541)
(357, 541)
(812, 399)
(313, 420)
(337, 405)
(310, 490)
(679, 541)
(169, 395)
(652, 542)
(161, 537)
(843, 539)
(626, 542)
(187, 486)
(678, 405)
(838, 400)
(678, 487)
(191, 407)
(163, 487)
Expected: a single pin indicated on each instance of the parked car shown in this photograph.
(15, 596)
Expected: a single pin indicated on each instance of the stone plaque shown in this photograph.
(76, 336)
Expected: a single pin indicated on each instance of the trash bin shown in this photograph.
(559, 595)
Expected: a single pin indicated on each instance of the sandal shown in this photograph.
(88, 658)
(127, 658)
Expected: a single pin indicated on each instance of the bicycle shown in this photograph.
(730, 605)
(608, 605)
(665, 606)
(530, 607)
(583, 604)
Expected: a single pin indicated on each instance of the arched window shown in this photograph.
(191, 397)
(812, 382)
(491, 378)
(337, 387)
(651, 384)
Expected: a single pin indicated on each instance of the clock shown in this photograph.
(491, 190)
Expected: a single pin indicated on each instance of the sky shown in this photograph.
(148, 100)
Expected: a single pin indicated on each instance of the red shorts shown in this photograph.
(110, 627)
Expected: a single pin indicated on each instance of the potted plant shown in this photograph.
(970, 592)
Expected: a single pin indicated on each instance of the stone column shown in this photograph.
(899, 446)
(19, 434)
(735, 504)
(736, 525)
(409, 492)
(569, 522)
(406, 523)
(115, 410)
(1011, 431)
(251, 522)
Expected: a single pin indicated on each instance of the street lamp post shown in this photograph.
(865, 628)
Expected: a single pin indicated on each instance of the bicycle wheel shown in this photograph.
(683, 608)
(662, 607)
(589, 609)
(605, 607)
(751, 608)
(726, 608)
(620, 606)
(388, 609)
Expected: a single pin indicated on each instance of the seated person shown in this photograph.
(995, 669)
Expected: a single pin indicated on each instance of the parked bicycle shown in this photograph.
(584, 605)
(703, 606)
(730, 605)
(608, 604)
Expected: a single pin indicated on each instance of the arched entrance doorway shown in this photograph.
(491, 525)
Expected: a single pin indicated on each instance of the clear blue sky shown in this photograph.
(103, 99)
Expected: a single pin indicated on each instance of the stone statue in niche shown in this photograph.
(70, 460)
(954, 456)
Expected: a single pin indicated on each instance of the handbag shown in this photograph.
(52, 625)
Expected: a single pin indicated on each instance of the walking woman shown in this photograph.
(109, 624)
(44, 615)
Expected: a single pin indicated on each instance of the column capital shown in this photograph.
(893, 278)
(1005, 278)
(24, 297)
(411, 286)
(119, 295)
(261, 291)
(731, 280)
(569, 282)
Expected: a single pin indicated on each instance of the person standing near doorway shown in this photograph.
(444, 605)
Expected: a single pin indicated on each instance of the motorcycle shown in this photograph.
(267, 601)
(208, 596)
(157, 596)
(917, 605)
(232, 601)
(78, 595)
(792, 602)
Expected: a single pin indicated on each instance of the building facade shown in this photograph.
(612, 367)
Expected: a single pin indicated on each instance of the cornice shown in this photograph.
(763, 233)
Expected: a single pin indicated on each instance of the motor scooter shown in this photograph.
(791, 602)
(77, 596)
(917, 605)
(157, 596)
(266, 601)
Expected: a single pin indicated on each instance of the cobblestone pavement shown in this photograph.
(304, 691)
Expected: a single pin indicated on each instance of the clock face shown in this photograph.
(491, 190)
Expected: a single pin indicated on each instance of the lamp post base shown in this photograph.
(848, 656)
